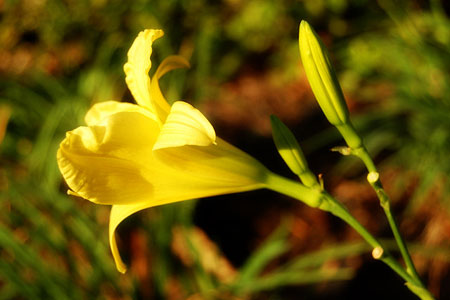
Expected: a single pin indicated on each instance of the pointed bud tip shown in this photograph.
(302, 32)
(305, 29)
(304, 25)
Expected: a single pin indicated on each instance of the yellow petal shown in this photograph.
(185, 125)
(100, 112)
(104, 164)
(168, 64)
(171, 63)
(138, 66)
(118, 214)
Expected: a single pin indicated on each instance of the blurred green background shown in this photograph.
(58, 57)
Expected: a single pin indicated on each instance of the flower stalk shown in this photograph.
(328, 93)
(324, 201)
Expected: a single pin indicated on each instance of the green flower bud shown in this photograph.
(291, 152)
(321, 76)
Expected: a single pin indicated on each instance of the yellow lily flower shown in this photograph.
(138, 156)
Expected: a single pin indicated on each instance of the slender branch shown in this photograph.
(358, 149)
(340, 211)
(385, 203)
(327, 202)
(320, 199)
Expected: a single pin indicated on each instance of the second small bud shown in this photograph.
(290, 151)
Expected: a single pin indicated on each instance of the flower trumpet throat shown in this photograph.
(135, 156)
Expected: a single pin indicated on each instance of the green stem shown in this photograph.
(358, 149)
(340, 211)
(308, 179)
(349, 134)
(310, 196)
(316, 198)
(362, 153)
(385, 203)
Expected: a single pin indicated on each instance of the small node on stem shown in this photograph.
(342, 150)
(377, 252)
(320, 177)
(373, 177)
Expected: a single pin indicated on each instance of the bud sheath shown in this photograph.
(321, 76)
